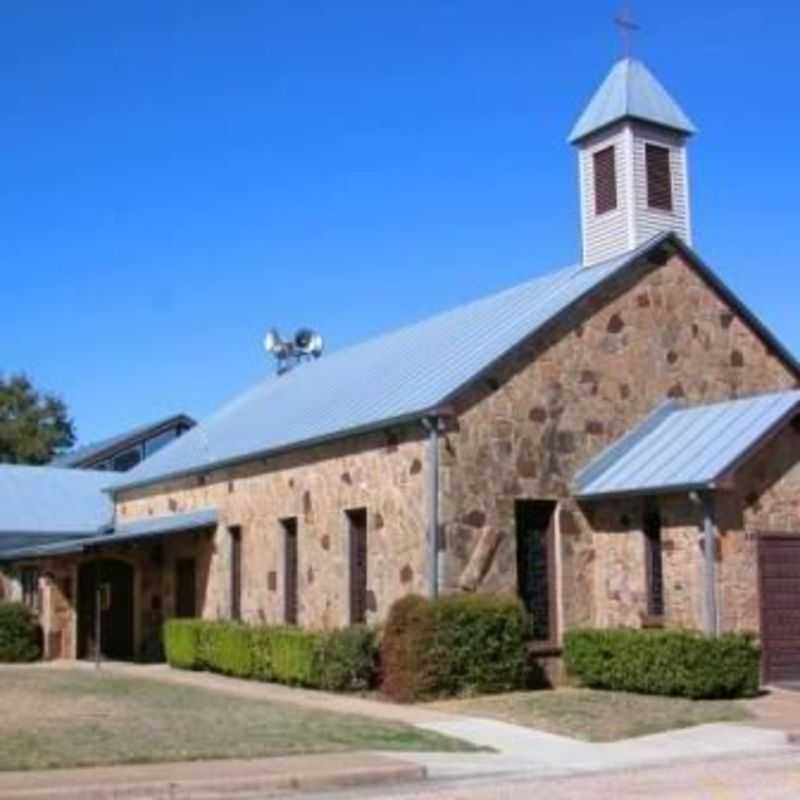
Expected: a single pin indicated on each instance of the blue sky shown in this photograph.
(177, 177)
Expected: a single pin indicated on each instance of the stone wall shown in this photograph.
(558, 401)
(620, 590)
(382, 472)
(765, 497)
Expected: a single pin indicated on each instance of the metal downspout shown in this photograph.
(711, 610)
(431, 425)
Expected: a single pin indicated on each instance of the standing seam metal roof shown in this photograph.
(52, 500)
(136, 530)
(630, 90)
(685, 448)
(399, 376)
(393, 378)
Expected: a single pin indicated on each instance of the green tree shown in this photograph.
(33, 426)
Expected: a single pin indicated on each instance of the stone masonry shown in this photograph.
(520, 432)
(382, 472)
(546, 411)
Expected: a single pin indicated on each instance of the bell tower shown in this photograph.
(634, 182)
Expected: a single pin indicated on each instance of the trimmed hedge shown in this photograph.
(454, 645)
(341, 660)
(674, 663)
(19, 634)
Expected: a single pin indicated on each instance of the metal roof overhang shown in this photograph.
(136, 530)
(764, 427)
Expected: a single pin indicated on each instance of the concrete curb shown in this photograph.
(144, 782)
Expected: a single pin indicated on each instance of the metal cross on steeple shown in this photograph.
(627, 27)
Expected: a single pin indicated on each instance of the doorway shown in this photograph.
(185, 588)
(114, 579)
(536, 565)
(779, 589)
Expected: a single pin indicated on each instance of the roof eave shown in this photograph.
(436, 409)
(577, 136)
(98, 540)
(646, 491)
(40, 532)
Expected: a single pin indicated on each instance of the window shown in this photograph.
(290, 570)
(605, 180)
(236, 572)
(357, 524)
(185, 588)
(654, 573)
(659, 177)
(29, 579)
(536, 564)
(155, 443)
(127, 460)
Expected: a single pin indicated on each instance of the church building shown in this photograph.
(617, 442)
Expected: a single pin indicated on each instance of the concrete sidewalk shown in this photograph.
(210, 780)
(778, 709)
(521, 750)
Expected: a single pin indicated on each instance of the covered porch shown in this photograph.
(716, 489)
(107, 596)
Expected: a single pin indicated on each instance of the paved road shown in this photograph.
(762, 778)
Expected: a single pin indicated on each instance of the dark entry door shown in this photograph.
(185, 587)
(779, 584)
(535, 564)
(115, 581)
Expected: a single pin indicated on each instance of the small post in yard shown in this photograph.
(98, 601)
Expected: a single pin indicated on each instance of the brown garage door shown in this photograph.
(779, 579)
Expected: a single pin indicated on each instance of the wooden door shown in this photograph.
(112, 582)
(779, 585)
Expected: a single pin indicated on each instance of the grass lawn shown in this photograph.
(598, 716)
(68, 718)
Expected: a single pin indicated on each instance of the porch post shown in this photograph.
(97, 610)
(711, 611)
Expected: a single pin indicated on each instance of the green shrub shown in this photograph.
(293, 654)
(674, 663)
(346, 659)
(261, 653)
(343, 660)
(19, 636)
(455, 645)
(182, 643)
(226, 648)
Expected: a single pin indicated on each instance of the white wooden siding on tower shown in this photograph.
(651, 221)
(633, 221)
(608, 234)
